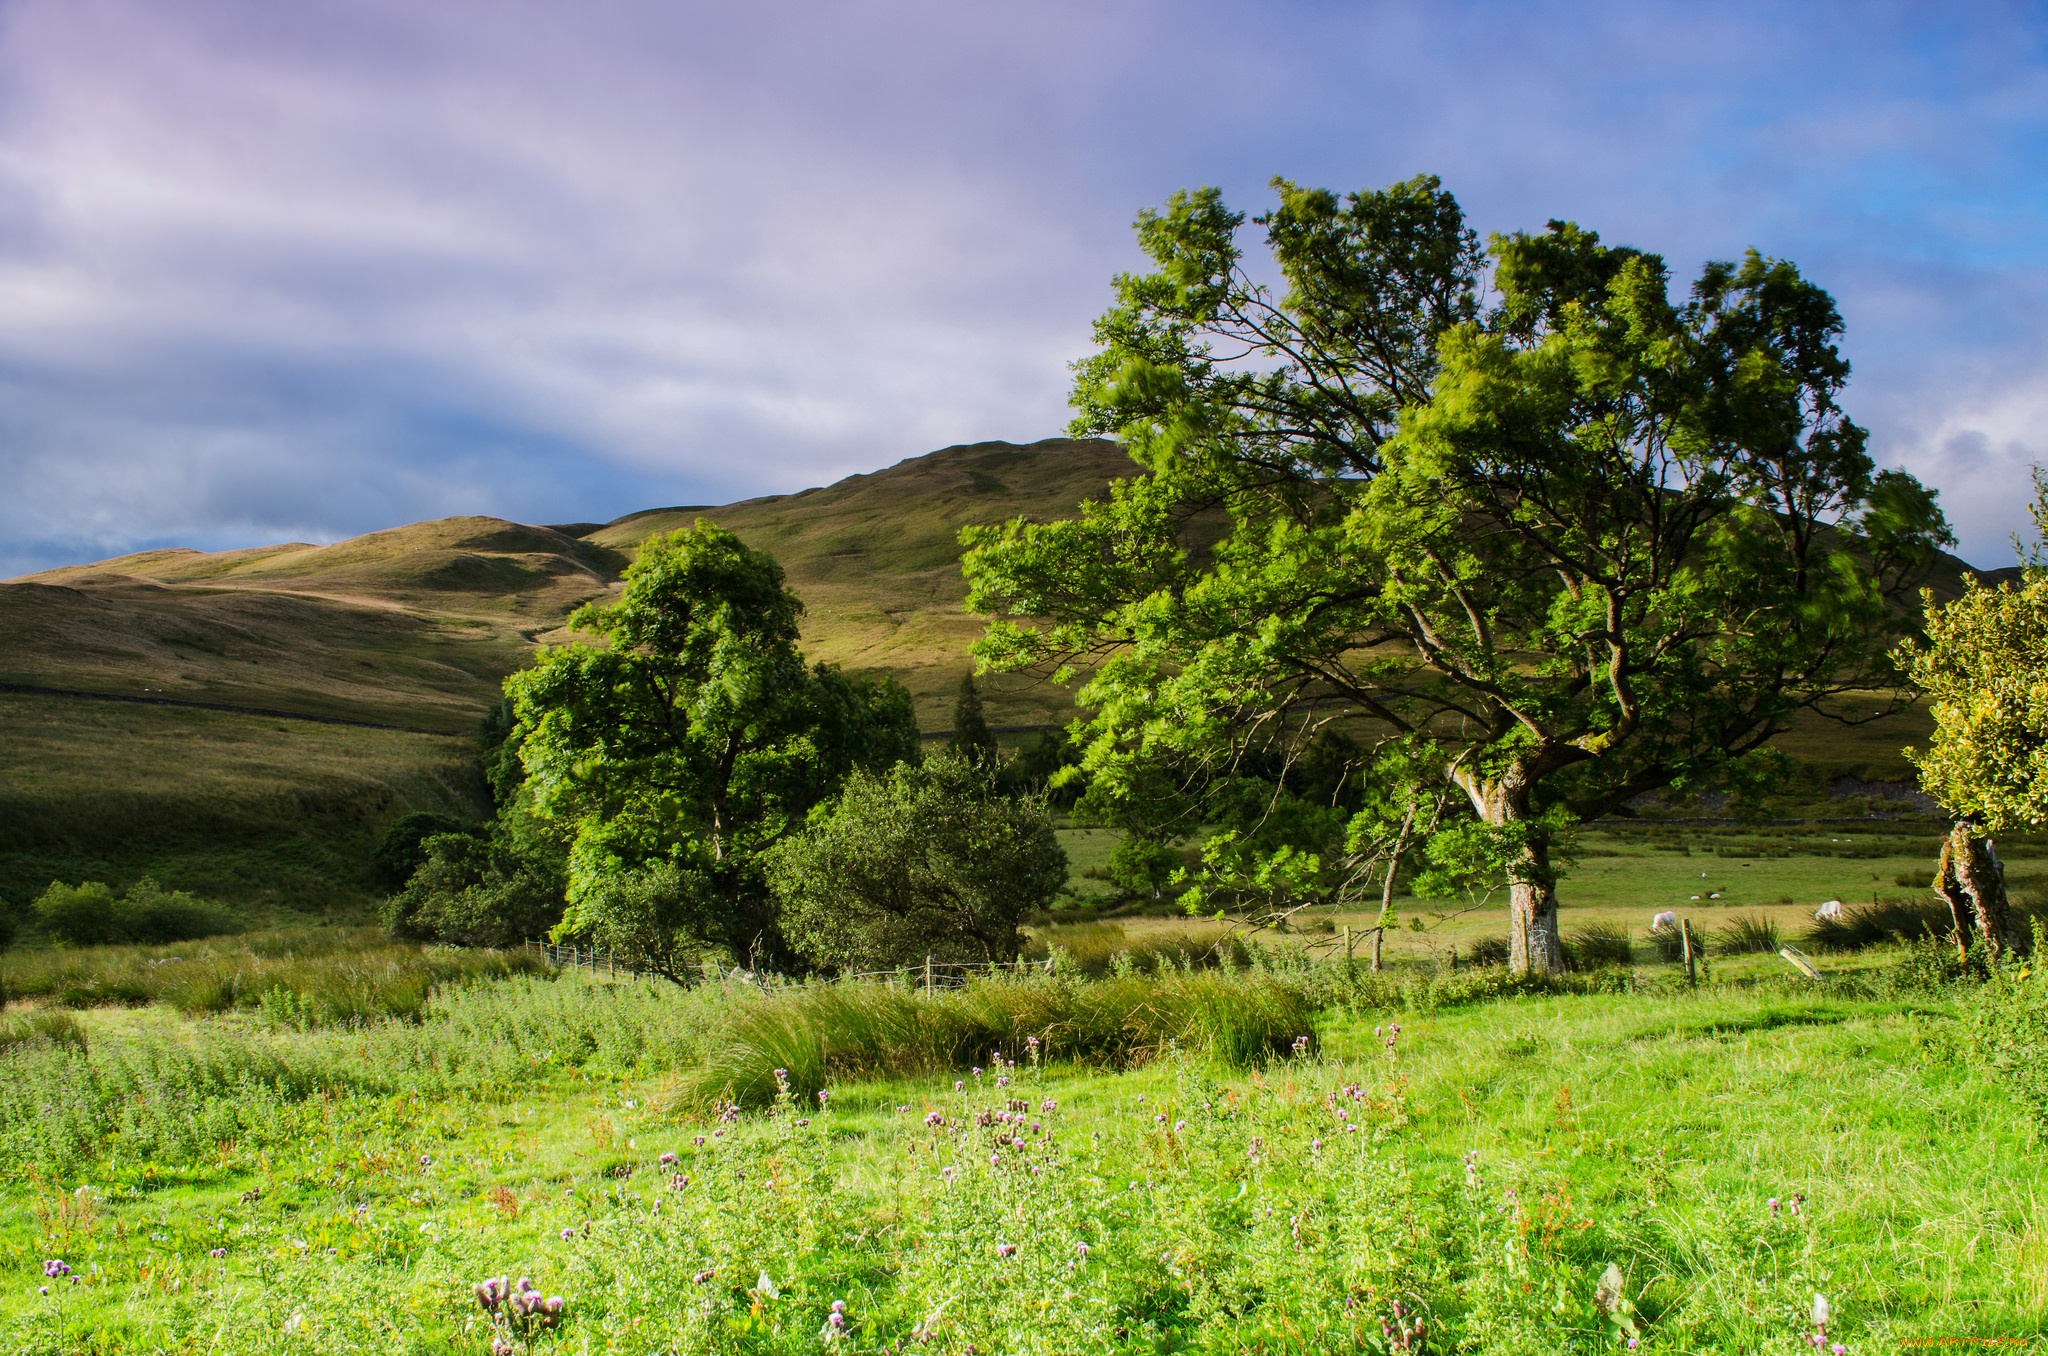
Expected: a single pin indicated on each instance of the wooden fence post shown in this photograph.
(927, 972)
(1347, 946)
(1692, 978)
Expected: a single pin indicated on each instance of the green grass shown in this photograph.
(356, 1181)
(280, 815)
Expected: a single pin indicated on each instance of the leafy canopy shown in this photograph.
(1984, 668)
(688, 742)
(1515, 513)
(927, 859)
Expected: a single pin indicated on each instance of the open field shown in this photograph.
(245, 1183)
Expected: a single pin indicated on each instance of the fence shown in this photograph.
(932, 974)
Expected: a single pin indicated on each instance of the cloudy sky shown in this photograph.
(296, 271)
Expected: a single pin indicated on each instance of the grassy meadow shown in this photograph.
(320, 1142)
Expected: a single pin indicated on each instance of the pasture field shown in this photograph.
(1169, 1168)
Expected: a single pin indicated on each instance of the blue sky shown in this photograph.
(274, 272)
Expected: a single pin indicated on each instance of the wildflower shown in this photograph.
(1031, 1041)
(901, 1109)
(426, 1160)
(959, 1084)
(803, 1121)
(1160, 1118)
(1315, 1146)
(56, 1268)
(1821, 1313)
(934, 1119)
(766, 1287)
(217, 1252)
(1773, 1203)
(42, 1290)
(697, 1140)
(1037, 1128)
(501, 1347)
(1048, 1106)
(1006, 1249)
(666, 1159)
(1082, 1250)
(568, 1234)
(824, 1096)
(701, 1277)
(975, 1072)
(1003, 1082)
(491, 1293)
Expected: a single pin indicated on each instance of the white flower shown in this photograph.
(767, 1287)
(1820, 1310)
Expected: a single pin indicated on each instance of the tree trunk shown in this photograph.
(1533, 946)
(1379, 933)
(1972, 879)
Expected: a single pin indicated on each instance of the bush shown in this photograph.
(404, 848)
(1748, 932)
(471, 891)
(91, 914)
(929, 859)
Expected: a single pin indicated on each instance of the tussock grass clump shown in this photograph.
(823, 1033)
(1098, 949)
(304, 978)
(1745, 933)
(1599, 944)
(52, 1028)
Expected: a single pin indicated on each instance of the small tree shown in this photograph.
(1984, 668)
(926, 859)
(972, 739)
(688, 742)
(478, 890)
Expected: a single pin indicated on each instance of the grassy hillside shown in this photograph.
(269, 813)
(417, 627)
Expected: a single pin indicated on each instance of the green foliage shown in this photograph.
(928, 859)
(1984, 667)
(93, 914)
(2005, 1025)
(1575, 545)
(972, 739)
(474, 891)
(403, 847)
(688, 743)
(1048, 766)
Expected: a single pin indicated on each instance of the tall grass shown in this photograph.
(821, 1034)
(1098, 949)
(301, 978)
(1745, 933)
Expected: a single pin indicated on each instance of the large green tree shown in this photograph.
(1571, 540)
(690, 739)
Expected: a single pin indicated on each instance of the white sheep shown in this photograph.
(1666, 919)
(1831, 909)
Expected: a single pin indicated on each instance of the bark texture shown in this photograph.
(1972, 879)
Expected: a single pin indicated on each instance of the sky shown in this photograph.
(294, 272)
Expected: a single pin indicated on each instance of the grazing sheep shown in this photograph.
(1666, 919)
(1831, 909)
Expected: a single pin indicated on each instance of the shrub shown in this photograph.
(929, 859)
(470, 891)
(404, 848)
(91, 914)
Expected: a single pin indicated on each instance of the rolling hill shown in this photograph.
(200, 779)
(211, 785)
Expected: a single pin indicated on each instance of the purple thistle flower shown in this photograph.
(959, 1084)
(975, 1072)
(1048, 1105)
(1006, 1249)
(217, 1252)
(666, 1159)
(824, 1096)
(491, 1293)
